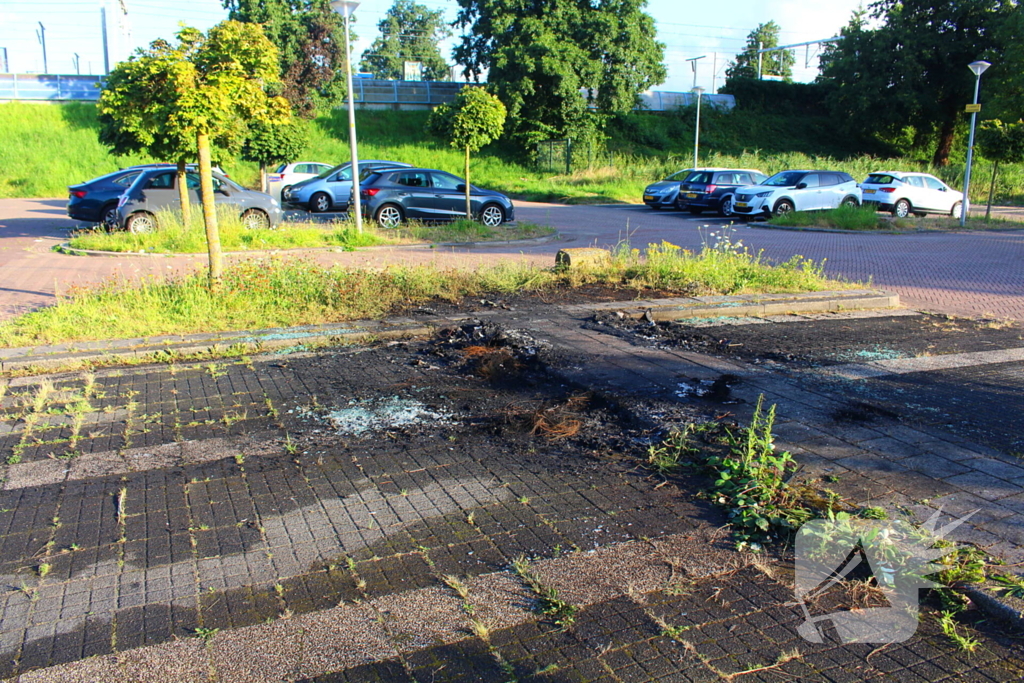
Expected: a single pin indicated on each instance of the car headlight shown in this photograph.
(769, 193)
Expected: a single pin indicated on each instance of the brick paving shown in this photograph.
(215, 521)
(973, 273)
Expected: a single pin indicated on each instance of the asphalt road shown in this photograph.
(972, 273)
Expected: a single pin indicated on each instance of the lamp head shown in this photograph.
(978, 67)
(698, 90)
(344, 7)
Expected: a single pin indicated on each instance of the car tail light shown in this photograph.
(711, 188)
(370, 192)
(78, 193)
(887, 189)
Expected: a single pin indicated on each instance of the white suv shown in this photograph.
(797, 191)
(907, 193)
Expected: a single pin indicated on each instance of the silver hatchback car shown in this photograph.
(331, 190)
(155, 190)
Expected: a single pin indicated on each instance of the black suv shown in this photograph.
(712, 190)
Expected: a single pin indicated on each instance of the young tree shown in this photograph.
(772, 63)
(310, 43)
(912, 70)
(272, 143)
(540, 54)
(408, 33)
(474, 119)
(1000, 143)
(208, 87)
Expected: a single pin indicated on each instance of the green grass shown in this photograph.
(271, 292)
(172, 237)
(644, 146)
(866, 219)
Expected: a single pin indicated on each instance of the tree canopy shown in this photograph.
(912, 70)
(409, 32)
(540, 55)
(778, 64)
(310, 44)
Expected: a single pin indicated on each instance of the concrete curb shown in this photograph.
(916, 231)
(1004, 608)
(166, 347)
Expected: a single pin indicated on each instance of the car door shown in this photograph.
(808, 198)
(160, 194)
(938, 197)
(915, 191)
(340, 187)
(832, 190)
(417, 196)
(450, 195)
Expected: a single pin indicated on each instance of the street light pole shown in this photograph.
(42, 39)
(977, 68)
(345, 8)
(696, 128)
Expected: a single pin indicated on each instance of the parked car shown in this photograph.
(906, 193)
(332, 189)
(709, 190)
(797, 191)
(391, 196)
(662, 194)
(155, 189)
(286, 175)
(95, 201)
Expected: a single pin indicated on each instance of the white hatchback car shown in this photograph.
(911, 193)
(797, 191)
(286, 175)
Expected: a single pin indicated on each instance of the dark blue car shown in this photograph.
(95, 201)
(391, 196)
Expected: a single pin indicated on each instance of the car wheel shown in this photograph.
(696, 210)
(850, 201)
(901, 209)
(492, 216)
(783, 207)
(255, 219)
(389, 216)
(319, 202)
(108, 216)
(957, 210)
(725, 206)
(140, 223)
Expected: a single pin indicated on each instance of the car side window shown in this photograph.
(161, 181)
(192, 182)
(414, 179)
(443, 181)
(126, 180)
(811, 180)
(915, 180)
(933, 183)
(829, 179)
(724, 179)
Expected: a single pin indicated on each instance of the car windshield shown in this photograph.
(332, 170)
(680, 176)
(785, 179)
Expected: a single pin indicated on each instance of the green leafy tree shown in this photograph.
(772, 63)
(911, 71)
(1004, 82)
(310, 42)
(208, 87)
(408, 33)
(1000, 143)
(539, 55)
(474, 119)
(274, 143)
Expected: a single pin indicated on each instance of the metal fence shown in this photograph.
(368, 92)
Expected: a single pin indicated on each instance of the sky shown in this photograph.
(687, 28)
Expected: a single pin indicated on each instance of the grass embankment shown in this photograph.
(263, 293)
(646, 146)
(866, 219)
(172, 237)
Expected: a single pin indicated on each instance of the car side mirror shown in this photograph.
(801, 186)
(460, 188)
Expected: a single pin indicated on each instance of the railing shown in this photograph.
(369, 92)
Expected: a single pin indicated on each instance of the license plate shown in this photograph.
(691, 196)
(648, 198)
(742, 205)
(869, 191)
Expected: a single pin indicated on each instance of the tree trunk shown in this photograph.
(946, 134)
(209, 210)
(469, 208)
(263, 179)
(991, 189)
(186, 206)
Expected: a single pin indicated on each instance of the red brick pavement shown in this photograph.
(976, 273)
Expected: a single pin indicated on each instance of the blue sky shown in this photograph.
(689, 29)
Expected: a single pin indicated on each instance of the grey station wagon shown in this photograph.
(155, 190)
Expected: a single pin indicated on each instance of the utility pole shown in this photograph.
(41, 34)
(760, 58)
(78, 66)
(693, 66)
(714, 72)
(106, 46)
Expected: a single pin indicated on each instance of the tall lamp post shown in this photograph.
(977, 68)
(345, 8)
(696, 128)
